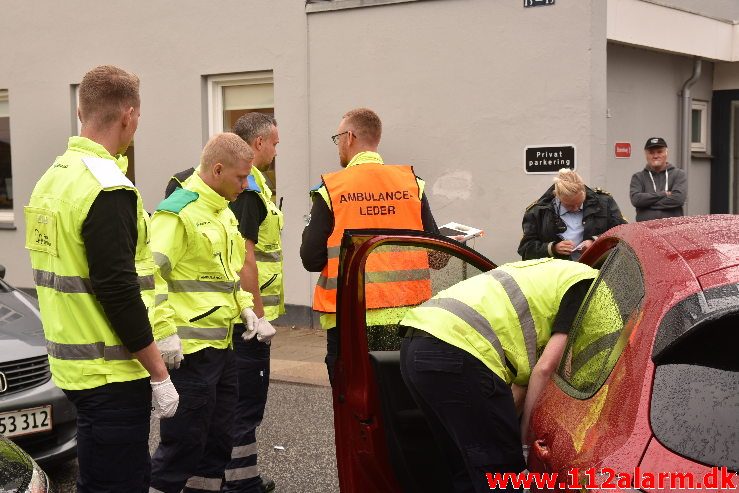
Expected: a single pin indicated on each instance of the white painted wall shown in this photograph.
(171, 45)
(462, 87)
(643, 102)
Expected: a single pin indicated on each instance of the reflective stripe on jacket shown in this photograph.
(268, 249)
(199, 252)
(84, 351)
(502, 317)
(374, 195)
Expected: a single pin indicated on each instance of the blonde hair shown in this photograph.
(568, 183)
(365, 124)
(226, 148)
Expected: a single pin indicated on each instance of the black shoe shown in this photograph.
(267, 485)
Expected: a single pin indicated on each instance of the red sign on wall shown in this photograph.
(623, 149)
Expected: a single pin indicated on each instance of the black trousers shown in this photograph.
(113, 437)
(196, 442)
(252, 364)
(469, 408)
(332, 352)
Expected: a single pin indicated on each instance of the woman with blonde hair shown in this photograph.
(566, 220)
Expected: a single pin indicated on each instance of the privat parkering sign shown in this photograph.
(549, 159)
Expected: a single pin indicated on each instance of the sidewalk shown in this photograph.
(297, 356)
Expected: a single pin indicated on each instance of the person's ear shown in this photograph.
(128, 116)
(217, 169)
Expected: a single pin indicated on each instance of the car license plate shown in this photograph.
(25, 421)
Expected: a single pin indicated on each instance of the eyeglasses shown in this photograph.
(335, 138)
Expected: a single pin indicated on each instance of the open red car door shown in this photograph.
(383, 443)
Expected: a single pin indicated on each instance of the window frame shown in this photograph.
(214, 89)
(702, 108)
(7, 216)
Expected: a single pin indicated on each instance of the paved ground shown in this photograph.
(296, 439)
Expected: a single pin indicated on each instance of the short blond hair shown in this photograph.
(105, 92)
(568, 183)
(365, 124)
(226, 148)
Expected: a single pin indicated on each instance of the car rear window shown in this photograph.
(695, 397)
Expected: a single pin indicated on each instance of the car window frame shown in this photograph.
(602, 263)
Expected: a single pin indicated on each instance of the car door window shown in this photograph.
(398, 277)
(599, 333)
(383, 440)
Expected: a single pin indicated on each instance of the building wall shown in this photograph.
(726, 76)
(171, 46)
(462, 87)
(643, 101)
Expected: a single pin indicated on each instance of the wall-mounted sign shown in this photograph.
(623, 150)
(548, 159)
(537, 3)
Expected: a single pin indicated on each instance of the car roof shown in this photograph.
(705, 243)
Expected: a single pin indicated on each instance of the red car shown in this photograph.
(655, 390)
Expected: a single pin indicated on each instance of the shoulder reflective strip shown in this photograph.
(205, 484)
(470, 316)
(191, 286)
(591, 350)
(146, 282)
(333, 252)
(93, 350)
(154, 490)
(162, 261)
(241, 473)
(244, 451)
(160, 298)
(398, 275)
(202, 333)
(267, 257)
(63, 284)
(270, 300)
(521, 305)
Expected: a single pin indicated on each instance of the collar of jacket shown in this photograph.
(669, 167)
(207, 195)
(547, 200)
(365, 157)
(87, 146)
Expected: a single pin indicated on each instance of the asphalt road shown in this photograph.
(296, 442)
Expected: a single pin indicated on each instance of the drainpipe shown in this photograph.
(686, 120)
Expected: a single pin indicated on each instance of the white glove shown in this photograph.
(265, 331)
(171, 349)
(250, 320)
(165, 398)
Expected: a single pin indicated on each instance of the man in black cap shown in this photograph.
(660, 189)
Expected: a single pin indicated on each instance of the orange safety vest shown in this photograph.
(373, 195)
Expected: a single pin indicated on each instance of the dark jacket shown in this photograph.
(542, 224)
(650, 200)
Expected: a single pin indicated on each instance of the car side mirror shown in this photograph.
(2, 271)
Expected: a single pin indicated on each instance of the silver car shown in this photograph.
(34, 413)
